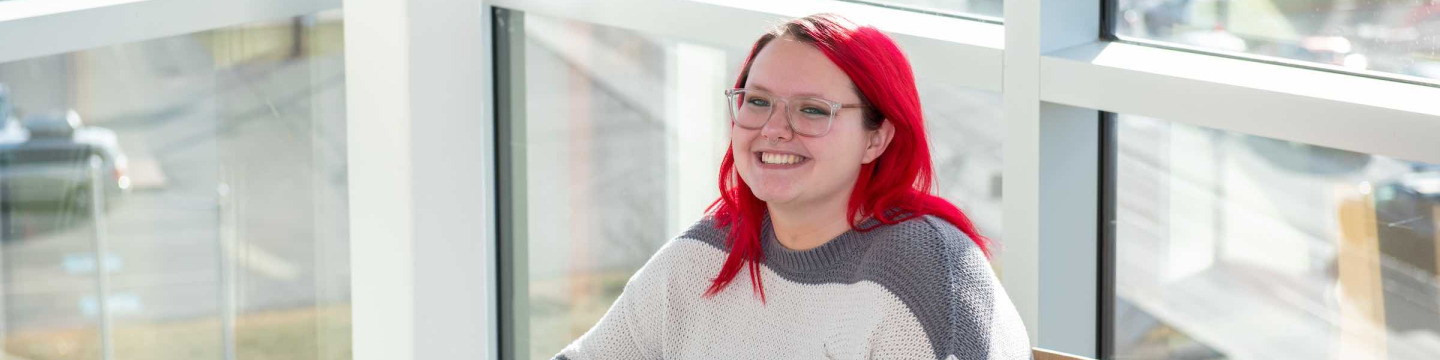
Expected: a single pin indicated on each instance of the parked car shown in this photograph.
(45, 162)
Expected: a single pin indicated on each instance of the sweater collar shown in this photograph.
(837, 251)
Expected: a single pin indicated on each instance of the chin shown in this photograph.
(766, 196)
(773, 195)
(772, 189)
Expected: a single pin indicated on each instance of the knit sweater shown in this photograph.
(919, 289)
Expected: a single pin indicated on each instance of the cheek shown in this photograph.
(843, 150)
(740, 140)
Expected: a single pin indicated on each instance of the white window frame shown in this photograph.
(419, 92)
(33, 28)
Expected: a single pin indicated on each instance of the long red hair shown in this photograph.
(895, 187)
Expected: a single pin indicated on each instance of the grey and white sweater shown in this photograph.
(919, 289)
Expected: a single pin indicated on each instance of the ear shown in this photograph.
(878, 140)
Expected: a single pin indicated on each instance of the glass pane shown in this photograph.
(614, 117)
(987, 8)
(1241, 247)
(966, 132)
(178, 198)
(1391, 36)
(623, 136)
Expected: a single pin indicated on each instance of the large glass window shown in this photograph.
(966, 134)
(616, 153)
(178, 198)
(1231, 246)
(616, 149)
(1390, 36)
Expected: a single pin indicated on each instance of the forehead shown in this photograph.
(789, 68)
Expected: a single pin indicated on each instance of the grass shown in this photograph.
(310, 334)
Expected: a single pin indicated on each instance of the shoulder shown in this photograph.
(702, 241)
(928, 240)
(705, 231)
(696, 250)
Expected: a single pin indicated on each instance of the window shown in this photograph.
(617, 149)
(1396, 37)
(966, 136)
(984, 8)
(178, 198)
(1231, 246)
(617, 152)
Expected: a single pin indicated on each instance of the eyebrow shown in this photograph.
(810, 94)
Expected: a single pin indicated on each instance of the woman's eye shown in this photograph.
(814, 111)
(758, 102)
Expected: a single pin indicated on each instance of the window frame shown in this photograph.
(1281, 102)
(112, 22)
(510, 115)
(932, 11)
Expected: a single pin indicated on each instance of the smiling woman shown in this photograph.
(828, 203)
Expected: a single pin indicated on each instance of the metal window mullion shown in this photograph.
(1052, 172)
(508, 36)
(1105, 296)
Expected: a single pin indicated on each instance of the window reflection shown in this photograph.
(986, 8)
(1242, 247)
(178, 198)
(621, 132)
(1391, 36)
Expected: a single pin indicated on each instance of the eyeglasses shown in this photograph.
(809, 116)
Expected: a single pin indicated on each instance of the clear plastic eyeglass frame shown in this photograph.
(809, 123)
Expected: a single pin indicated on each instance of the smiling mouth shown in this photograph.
(779, 159)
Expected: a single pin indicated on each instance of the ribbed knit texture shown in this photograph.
(920, 289)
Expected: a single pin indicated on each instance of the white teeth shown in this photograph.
(784, 159)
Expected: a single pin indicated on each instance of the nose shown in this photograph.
(777, 127)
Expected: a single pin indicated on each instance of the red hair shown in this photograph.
(895, 187)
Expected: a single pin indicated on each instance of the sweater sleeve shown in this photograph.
(1006, 338)
(968, 314)
(633, 326)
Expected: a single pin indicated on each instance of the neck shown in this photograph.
(808, 227)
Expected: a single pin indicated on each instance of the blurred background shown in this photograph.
(1232, 246)
(208, 169)
(1242, 247)
(1398, 37)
